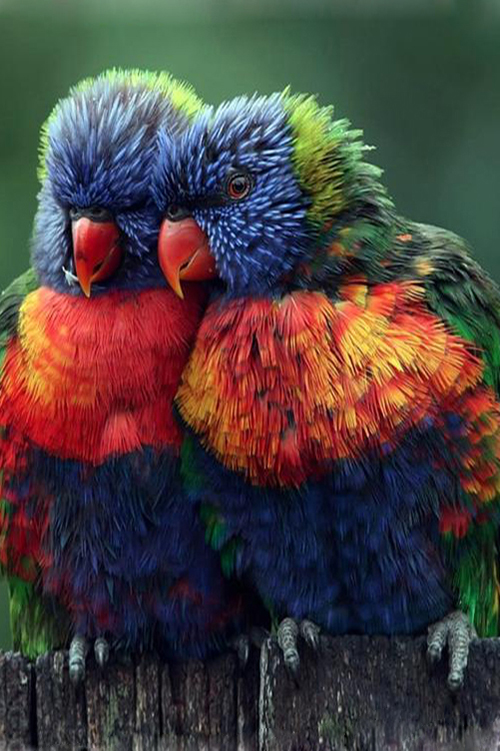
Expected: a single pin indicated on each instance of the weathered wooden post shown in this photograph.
(356, 694)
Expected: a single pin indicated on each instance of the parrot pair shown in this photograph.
(327, 430)
(341, 401)
(97, 539)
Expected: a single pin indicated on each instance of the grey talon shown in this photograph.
(288, 632)
(457, 632)
(101, 651)
(310, 633)
(77, 655)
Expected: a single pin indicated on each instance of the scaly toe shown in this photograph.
(436, 639)
(101, 651)
(77, 655)
(288, 632)
(461, 634)
(457, 632)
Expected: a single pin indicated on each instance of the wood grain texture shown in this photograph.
(354, 694)
(60, 709)
(17, 720)
(378, 694)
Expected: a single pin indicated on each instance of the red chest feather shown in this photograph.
(86, 379)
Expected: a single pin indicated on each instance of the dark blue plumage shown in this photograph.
(121, 537)
(348, 551)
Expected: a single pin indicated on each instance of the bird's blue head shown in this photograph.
(96, 225)
(251, 190)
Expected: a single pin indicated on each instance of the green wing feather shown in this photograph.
(37, 623)
(10, 302)
(216, 533)
(462, 294)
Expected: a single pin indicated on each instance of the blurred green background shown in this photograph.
(422, 77)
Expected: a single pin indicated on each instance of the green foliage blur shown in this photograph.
(421, 77)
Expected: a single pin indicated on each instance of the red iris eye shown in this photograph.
(238, 187)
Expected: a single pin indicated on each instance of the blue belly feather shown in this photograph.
(120, 536)
(357, 551)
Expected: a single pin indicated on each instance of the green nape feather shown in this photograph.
(329, 161)
(480, 330)
(181, 95)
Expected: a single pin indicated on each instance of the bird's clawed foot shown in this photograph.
(243, 643)
(288, 634)
(78, 652)
(457, 632)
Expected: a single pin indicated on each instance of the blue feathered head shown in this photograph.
(264, 180)
(96, 222)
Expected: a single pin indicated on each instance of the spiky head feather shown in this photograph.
(328, 157)
(91, 92)
(316, 155)
(97, 149)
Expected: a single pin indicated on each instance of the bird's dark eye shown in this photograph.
(175, 213)
(238, 186)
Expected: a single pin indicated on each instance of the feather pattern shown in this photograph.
(91, 471)
(376, 413)
(342, 396)
(96, 536)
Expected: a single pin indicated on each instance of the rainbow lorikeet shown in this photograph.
(342, 396)
(96, 538)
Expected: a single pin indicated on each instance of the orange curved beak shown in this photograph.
(96, 251)
(184, 253)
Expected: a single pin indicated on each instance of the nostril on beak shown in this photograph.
(177, 213)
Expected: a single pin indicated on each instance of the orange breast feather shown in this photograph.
(278, 389)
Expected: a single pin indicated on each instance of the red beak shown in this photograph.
(96, 251)
(184, 253)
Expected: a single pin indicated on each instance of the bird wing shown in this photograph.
(459, 291)
(37, 625)
(462, 294)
